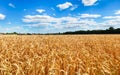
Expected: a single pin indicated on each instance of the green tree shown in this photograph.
(111, 28)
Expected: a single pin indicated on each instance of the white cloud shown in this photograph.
(59, 23)
(70, 22)
(37, 18)
(40, 10)
(80, 23)
(2, 17)
(112, 22)
(90, 16)
(117, 12)
(111, 17)
(64, 5)
(12, 29)
(11, 5)
(38, 24)
(89, 2)
(74, 7)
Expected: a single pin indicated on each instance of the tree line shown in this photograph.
(110, 30)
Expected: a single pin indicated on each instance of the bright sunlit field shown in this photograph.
(60, 55)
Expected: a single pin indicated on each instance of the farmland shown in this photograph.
(60, 55)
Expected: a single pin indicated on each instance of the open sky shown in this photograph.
(49, 16)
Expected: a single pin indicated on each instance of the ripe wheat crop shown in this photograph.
(60, 55)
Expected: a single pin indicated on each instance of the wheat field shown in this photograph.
(60, 55)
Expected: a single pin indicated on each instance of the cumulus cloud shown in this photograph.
(82, 23)
(2, 17)
(61, 22)
(40, 10)
(11, 5)
(37, 18)
(111, 17)
(89, 2)
(12, 29)
(74, 7)
(117, 12)
(71, 22)
(112, 22)
(90, 16)
(64, 5)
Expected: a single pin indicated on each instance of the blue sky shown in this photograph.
(51, 16)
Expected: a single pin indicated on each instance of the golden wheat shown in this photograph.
(60, 55)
